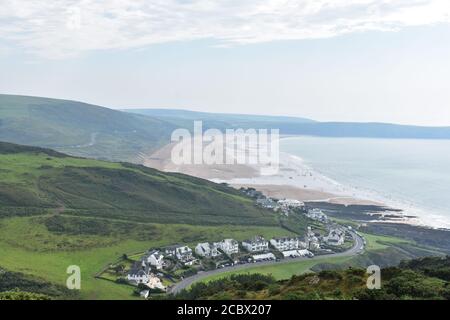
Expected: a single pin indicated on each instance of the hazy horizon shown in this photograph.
(210, 112)
(350, 60)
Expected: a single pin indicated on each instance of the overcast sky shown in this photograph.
(341, 60)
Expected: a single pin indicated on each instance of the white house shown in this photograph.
(312, 242)
(155, 259)
(297, 253)
(287, 243)
(228, 246)
(207, 250)
(291, 254)
(305, 253)
(138, 274)
(335, 237)
(184, 254)
(256, 244)
(181, 252)
(170, 251)
(263, 257)
(290, 203)
(267, 203)
(317, 214)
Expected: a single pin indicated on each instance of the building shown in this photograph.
(290, 204)
(207, 250)
(184, 254)
(335, 237)
(155, 259)
(291, 254)
(287, 243)
(312, 242)
(267, 203)
(228, 246)
(256, 244)
(263, 257)
(138, 274)
(252, 192)
(181, 252)
(297, 253)
(171, 251)
(305, 253)
(287, 205)
(317, 214)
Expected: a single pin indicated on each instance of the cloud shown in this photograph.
(64, 28)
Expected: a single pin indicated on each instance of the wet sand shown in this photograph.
(293, 180)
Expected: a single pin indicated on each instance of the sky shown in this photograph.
(341, 60)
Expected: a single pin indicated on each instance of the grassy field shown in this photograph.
(376, 242)
(283, 270)
(28, 247)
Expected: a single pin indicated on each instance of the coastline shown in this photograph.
(295, 180)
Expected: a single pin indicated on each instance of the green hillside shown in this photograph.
(58, 210)
(36, 181)
(79, 129)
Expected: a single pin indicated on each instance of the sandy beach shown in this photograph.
(294, 180)
(161, 160)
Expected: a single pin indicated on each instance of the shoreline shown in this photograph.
(294, 180)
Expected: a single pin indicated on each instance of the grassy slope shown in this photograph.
(14, 282)
(57, 211)
(79, 129)
(28, 246)
(38, 180)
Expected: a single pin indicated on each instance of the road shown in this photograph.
(357, 248)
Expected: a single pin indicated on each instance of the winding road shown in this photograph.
(357, 248)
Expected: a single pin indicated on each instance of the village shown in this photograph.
(158, 269)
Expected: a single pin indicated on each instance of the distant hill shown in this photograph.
(87, 130)
(297, 126)
(36, 181)
(79, 129)
(230, 118)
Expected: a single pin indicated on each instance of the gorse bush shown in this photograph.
(417, 279)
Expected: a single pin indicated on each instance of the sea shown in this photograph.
(412, 175)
